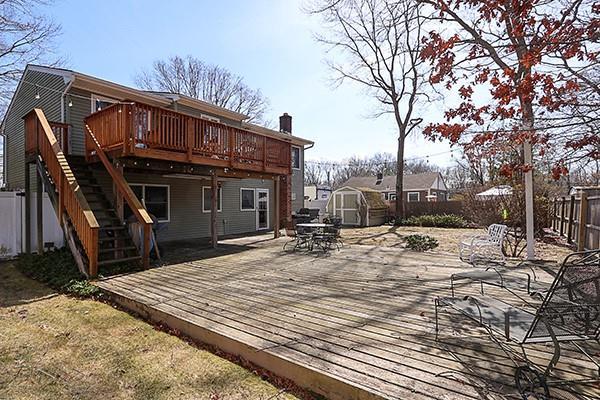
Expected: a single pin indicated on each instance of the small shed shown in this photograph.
(357, 206)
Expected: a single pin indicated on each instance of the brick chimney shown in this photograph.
(285, 123)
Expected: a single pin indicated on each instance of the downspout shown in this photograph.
(62, 99)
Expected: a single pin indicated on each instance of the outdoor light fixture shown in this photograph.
(37, 92)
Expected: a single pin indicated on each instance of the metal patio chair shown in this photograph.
(521, 278)
(302, 238)
(327, 239)
(487, 247)
(569, 313)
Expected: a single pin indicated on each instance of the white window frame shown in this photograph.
(253, 196)
(101, 98)
(299, 158)
(392, 196)
(219, 203)
(143, 199)
(413, 201)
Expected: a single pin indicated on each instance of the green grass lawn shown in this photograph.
(54, 346)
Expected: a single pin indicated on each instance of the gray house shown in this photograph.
(416, 187)
(169, 149)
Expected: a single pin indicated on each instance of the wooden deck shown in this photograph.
(358, 324)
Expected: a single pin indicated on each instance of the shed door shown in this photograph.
(347, 205)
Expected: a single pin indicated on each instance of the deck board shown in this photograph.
(355, 325)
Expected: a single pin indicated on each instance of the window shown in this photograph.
(413, 197)
(392, 196)
(206, 192)
(295, 157)
(293, 196)
(101, 102)
(155, 198)
(247, 199)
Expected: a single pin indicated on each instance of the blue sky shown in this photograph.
(269, 42)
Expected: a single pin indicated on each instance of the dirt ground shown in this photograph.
(57, 347)
(448, 239)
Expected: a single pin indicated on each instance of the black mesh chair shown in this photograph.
(570, 312)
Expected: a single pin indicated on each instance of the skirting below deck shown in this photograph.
(355, 325)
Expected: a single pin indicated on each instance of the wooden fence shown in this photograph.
(577, 217)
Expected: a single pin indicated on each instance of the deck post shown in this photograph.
(39, 197)
(27, 209)
(277, 223)
(213, 209)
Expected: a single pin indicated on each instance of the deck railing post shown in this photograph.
(190, 137)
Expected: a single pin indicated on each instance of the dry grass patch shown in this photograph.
(448, 239)
(56, 347)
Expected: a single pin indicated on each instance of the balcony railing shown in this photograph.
(136, 129)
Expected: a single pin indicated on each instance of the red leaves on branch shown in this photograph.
(513, 39)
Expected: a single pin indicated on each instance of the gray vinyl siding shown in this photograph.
(81, 108)
(50, 88)
(187, 221)
(298, 184)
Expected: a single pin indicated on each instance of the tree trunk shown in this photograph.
(400, 215)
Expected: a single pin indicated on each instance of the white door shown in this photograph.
(346, 205)
(262, 209)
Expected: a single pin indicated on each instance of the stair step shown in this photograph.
(113, 249)
(112, 227)
(106, 239)
(119, 260)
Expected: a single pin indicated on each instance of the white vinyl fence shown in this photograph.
(12, 223)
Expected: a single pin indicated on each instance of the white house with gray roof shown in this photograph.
(417, 187)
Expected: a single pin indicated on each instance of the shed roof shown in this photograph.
(410, 182)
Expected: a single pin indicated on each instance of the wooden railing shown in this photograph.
(125, 190)
(147, 131)
(61, 132)
(40, 140)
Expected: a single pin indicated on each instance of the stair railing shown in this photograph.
(40, 140)
(124, 189)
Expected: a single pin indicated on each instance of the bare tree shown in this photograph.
(212, 83)
(382, 43)
(25, 37)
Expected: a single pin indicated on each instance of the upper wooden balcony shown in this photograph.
(141, 130)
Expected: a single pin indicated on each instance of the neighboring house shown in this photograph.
(172, 151)
(316, 197)
(357, 206)
(315, 192)
(416, 187)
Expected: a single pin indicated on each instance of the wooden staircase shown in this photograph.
(114, 242)
(93, 230)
